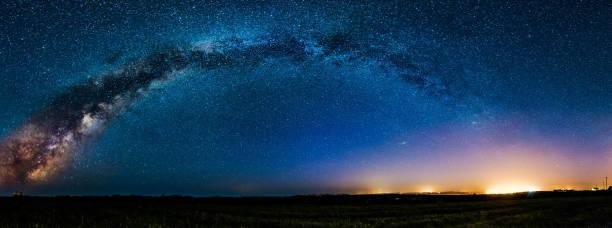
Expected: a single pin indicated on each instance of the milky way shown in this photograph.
(44, 145)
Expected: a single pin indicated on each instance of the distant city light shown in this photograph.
(511, 188)
(427, 189)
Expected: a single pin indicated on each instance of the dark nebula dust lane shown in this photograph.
(46, 144)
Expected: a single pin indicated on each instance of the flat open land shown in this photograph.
(550, 209)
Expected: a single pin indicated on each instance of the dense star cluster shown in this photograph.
(256, 97)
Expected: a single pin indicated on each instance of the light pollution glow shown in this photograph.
(493, 158)
(510, 188)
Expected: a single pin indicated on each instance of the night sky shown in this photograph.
(291, 97)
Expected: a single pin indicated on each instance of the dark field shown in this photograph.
(550, 209)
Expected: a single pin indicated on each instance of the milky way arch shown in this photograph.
(44, 145)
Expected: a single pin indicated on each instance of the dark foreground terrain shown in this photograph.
(550, 209)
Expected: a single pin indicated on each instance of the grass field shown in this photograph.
(534, 210)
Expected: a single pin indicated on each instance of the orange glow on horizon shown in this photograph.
(491, 159)
(426, 189)
(511, 188)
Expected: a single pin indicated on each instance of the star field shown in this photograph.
(249, 97)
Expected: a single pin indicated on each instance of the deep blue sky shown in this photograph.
(536, 73)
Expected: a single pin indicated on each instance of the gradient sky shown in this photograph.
(388, 97)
